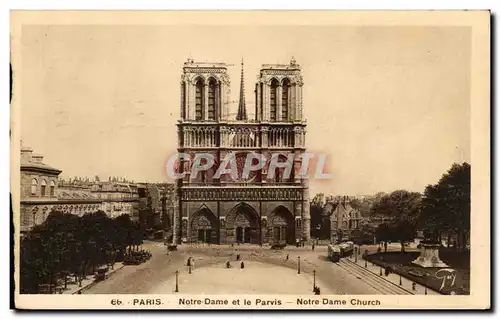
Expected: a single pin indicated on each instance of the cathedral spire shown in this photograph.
(242, 111)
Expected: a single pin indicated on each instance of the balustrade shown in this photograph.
(242, 137)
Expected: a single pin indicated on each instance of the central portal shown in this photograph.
(243, 225)
(243, 235)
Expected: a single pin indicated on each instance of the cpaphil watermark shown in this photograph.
(245, 165)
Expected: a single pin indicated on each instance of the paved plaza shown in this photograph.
(266, 271)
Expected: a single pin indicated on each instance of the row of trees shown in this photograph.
(443, 208)
(67, 245)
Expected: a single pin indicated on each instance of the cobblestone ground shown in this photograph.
(266, 271)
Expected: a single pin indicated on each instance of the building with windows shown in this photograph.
(42, 191)
(343, 218)
(241, 209)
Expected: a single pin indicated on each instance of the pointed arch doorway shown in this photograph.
(243, 224)
(204, 227)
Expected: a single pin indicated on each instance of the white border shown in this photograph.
(147, 4)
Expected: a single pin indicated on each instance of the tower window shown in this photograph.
(212, 88)
(34, 185)
(199, 100)
(183, 100)
(273, 102)
(44, 186)
(52, 188)
(285, 100)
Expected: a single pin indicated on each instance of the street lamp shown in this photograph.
(176, 281)
(298, 268)
(366, 264)
(314, 280)
(400, 282)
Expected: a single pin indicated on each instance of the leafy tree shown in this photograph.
(67, 244)
(446, 205)
(403, 208)
(316, 220)
(384, 233)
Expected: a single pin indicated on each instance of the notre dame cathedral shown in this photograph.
(251, 209)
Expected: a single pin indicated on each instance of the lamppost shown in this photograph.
(189, 268)
(314, 280)
(366, 264)
(356, 255)
(425, 278)
(298, 268)
(176, 281)
(400, 282)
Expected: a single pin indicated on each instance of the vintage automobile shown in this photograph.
(278, 245)
(137, 257)
(101, 274)
(172, 247)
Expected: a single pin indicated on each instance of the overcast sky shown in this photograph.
(389, 105)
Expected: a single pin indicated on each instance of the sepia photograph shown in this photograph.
(251, 159)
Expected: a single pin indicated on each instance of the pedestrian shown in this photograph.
(242, 265)
(237, 257)
(287, 256)
(313, 246)
(228, 264)
(188, 262)
(317, 291)
(414, 286)
(79, 292)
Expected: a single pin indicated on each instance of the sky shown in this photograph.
(389, 105)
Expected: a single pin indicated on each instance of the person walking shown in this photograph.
(242, 265)
(313, 246)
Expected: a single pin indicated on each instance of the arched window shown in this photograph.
(212, 99)
(43, 187)
(274, 101)
(285, 101)
(183, 100)
(261, 100)
(34, 211)
(52, 188)
(199, 100)
(34, 185)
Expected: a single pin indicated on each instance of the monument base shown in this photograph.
(429, 257)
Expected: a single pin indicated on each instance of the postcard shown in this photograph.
(265, 160)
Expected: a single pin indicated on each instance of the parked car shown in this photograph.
(101, 274)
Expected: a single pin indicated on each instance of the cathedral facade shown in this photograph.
(257, 208)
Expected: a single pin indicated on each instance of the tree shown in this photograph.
(384, 233)
(403, 208)
(316, 220)
(67, 244)
(446, 205)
